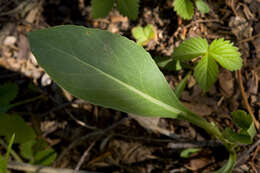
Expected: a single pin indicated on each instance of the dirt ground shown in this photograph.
(106, 140)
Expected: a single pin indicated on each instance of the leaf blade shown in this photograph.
(192, 48)
(120, 65)
(184, 8)
(225, 54)
(129, 8)
(14, 124)
(8, 92)
(202, 6)
(101, 8)
(206, 72)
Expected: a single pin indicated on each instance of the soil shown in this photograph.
(117, 142)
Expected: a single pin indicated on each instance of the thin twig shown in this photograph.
(249, 39)
(95, 133)
(245, 99)
(202, 21)
(81, 160)
(242, 157)
(61, 106)
(211, 143)
(39, 169)
(79, 122)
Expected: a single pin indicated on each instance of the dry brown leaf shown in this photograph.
(226, 82)
(196, 164)
(127, 152)
(150, 124)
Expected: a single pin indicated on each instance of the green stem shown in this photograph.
(213, 131)
(12, 152)
(202, 123)
(227, 168)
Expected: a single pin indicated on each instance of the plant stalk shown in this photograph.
(213, 130)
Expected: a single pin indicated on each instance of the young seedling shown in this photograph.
(185, 8)
(35, 150)
(101, 8)
(206, 71)
(144, 35)
(111, 71)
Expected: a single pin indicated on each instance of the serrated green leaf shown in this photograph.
(247, 129)
(186, 153)
(129, 8)
(101, 8)
(184, 8)
(202, 6)
(8, 92)
(45, 157)
(191, 48)
(105, 69)
(14, 124)
(143, 35)
(225, 54)
(234, 137)
(245, 122)
(206, 72)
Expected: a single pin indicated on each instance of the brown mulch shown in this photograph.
(71, 125)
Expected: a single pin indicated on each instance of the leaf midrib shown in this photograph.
(144, 95)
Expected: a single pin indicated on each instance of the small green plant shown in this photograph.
(144, 34)
(101, 8)
(109, 70)
(206, 71)
(32, 148)
(185, 8)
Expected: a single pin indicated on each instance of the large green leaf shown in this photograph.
(105, 69)
(206, 72)
(128, 8)
(101, 8)
(184, 8)
(192, 48)
(226, 54)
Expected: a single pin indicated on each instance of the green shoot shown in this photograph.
(143, 34)
(128, 79)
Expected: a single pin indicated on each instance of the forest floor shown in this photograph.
(106, 140)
